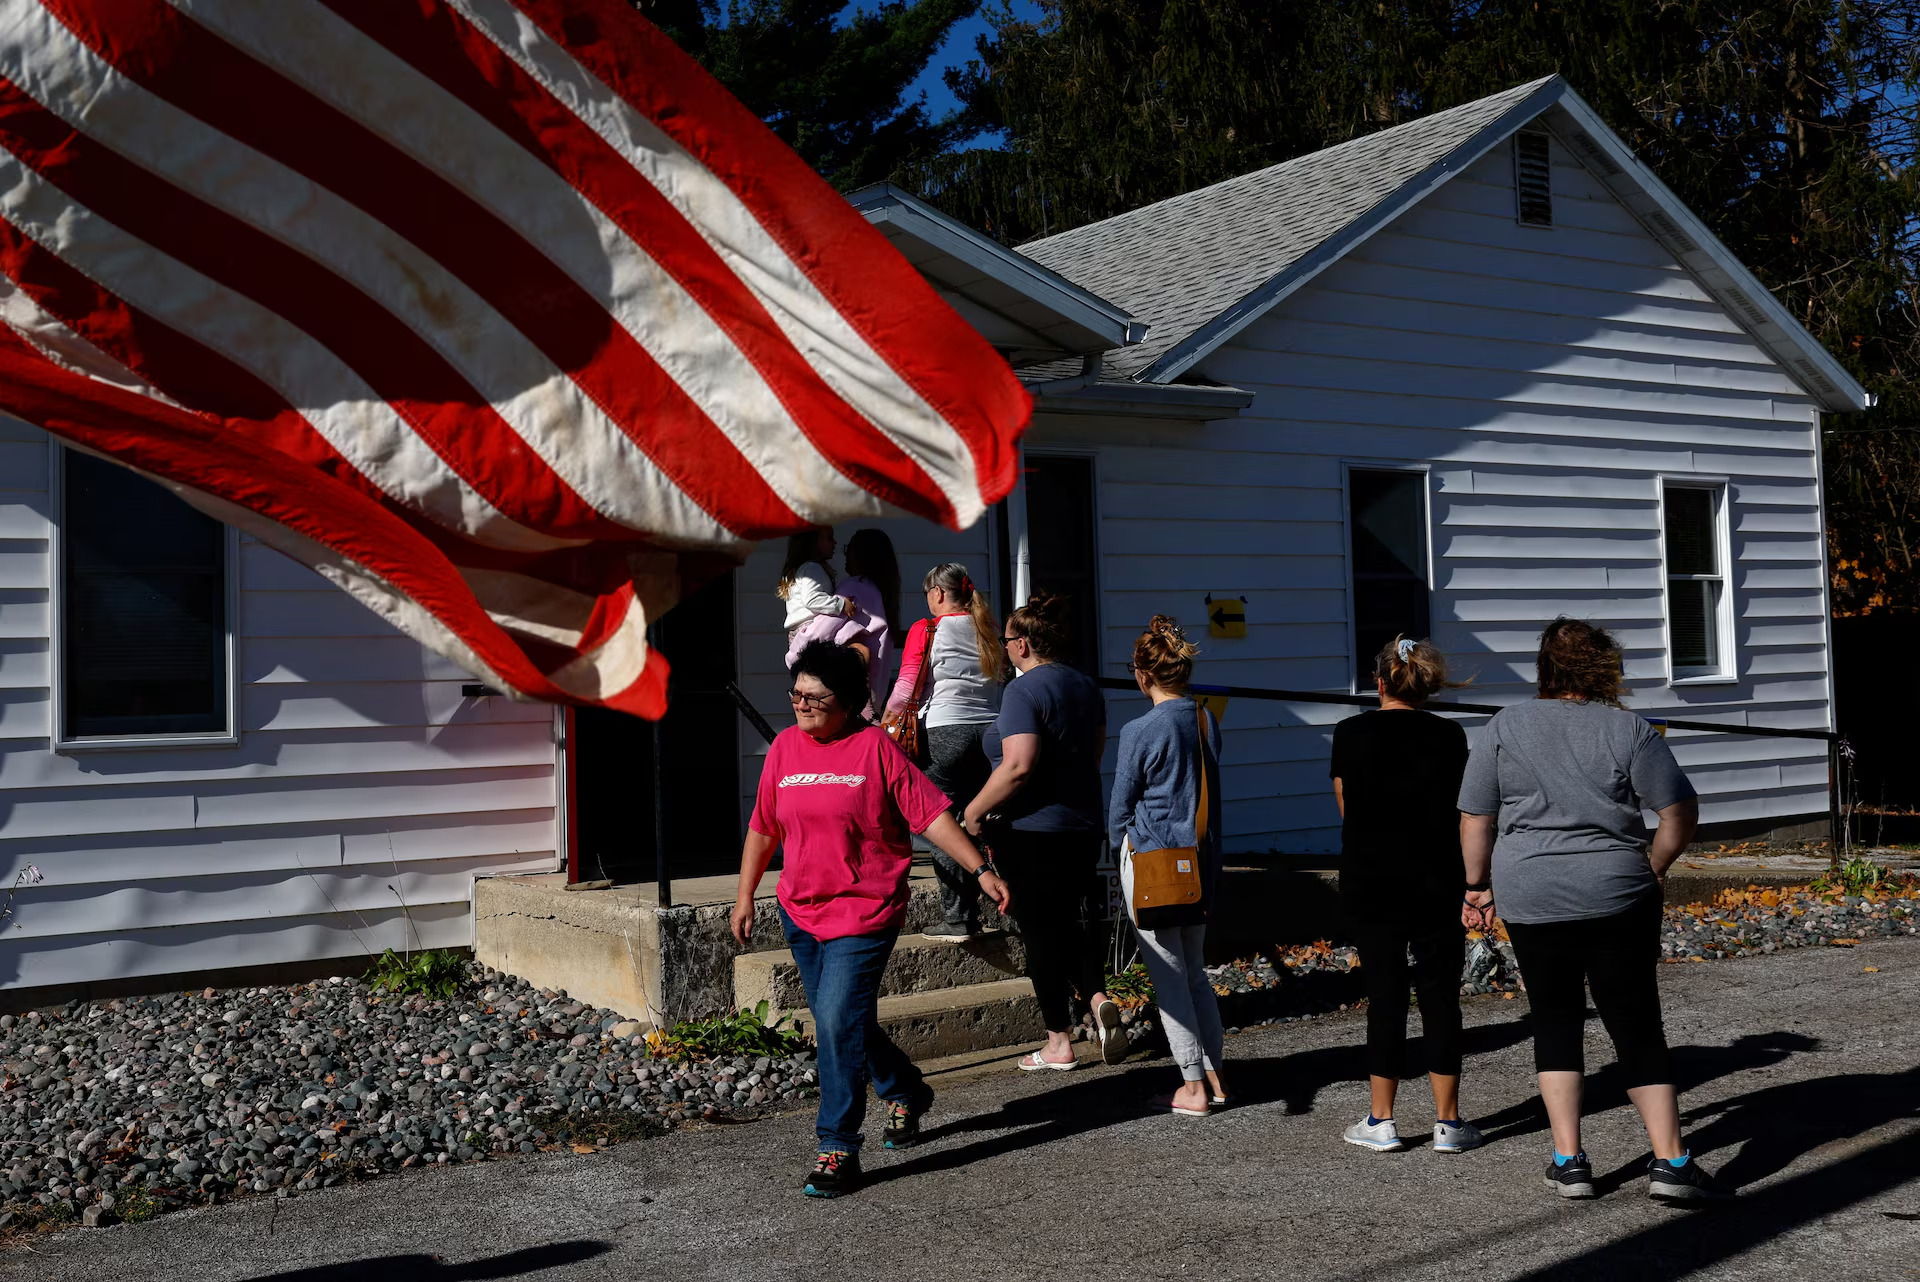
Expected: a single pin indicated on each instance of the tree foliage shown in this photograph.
(1789, 126)
(831, 82)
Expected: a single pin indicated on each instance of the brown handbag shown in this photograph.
(908, 727)
(1166, 883)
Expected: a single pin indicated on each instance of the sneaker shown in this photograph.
(1113, 1036)
(903, 1122)
(1448, 1138)
(1381, 1137)
(1688, 1182)
(1571, 1179)
(833, 1173)
(950, 930)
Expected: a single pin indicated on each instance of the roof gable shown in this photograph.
(1200, 267)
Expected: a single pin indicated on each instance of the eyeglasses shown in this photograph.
(1007, 641)
(797, 698)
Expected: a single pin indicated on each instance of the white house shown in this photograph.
(1458, 377)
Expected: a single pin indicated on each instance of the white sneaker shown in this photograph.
(1381, 1137)
(1456, 1139)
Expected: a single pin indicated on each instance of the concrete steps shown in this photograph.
(937, 996)
(919, 964)
(953, 1021)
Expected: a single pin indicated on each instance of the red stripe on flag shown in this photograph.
(196, 70)
(852, 264)
(190, 451)
(228, 395)
(440, 44)
(394, 360)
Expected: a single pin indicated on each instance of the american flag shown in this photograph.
(500, 314)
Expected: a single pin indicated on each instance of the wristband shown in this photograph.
(986, 866)
(1480, 886)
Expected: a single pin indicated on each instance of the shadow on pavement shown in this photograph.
(1693, 1066)
(1293, 1081)
(1694, 1240)
(431, 1268)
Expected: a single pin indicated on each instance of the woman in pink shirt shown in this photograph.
(842, 801)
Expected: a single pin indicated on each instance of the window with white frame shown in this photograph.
(1698, 631)
(1387, 557)
(143, 604)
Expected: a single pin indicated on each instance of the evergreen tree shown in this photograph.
(831, 83)
(1789, 126)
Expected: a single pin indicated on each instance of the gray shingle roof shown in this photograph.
(1180, 263)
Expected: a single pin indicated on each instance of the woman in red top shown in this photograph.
(841, 799)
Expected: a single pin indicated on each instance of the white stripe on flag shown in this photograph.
(835, 350)
(351, 417)
(579, 442)
(336, 62)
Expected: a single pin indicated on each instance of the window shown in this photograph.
(143, 629)
(1533, 179)
(1060, 536)
(1387, 547)
(1697, 608)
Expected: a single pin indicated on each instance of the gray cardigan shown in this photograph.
(1156, 783)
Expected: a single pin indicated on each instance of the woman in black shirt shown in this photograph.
(1396, 776)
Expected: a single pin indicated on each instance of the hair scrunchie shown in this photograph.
(1405, 649)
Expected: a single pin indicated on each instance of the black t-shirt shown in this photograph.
(1400, 842)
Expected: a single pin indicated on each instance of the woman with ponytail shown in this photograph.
(1396, 778)
(952, 662)
(1157, 789)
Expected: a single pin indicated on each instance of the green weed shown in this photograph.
(745, 1032)
(436, 973)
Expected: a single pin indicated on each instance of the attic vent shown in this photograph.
(1533, 179)
(1744, 305)
(1670, 231)
(1595, 153)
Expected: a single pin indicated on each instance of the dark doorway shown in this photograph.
(1065, 556)
(699, 777)
(1387, 539)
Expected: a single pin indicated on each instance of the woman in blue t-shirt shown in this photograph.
(1040, 815)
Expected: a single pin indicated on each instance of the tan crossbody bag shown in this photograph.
(1166, 883)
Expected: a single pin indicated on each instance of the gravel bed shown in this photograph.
(145, 1103)
(1755, 922)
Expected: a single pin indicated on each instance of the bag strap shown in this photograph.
(1200, 815)
(922, 678)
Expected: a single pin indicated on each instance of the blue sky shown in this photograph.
(955, 53)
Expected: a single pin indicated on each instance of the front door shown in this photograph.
(697, 786)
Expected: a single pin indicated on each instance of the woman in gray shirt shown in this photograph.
(1564, 779)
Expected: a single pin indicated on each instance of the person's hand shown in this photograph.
(971, 824)
(851, 609)
(741, 920)
(1476, 911)
(995, 889)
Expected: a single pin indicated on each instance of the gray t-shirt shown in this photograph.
(1568, 781)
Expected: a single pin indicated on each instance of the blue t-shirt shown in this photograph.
(1063, 707)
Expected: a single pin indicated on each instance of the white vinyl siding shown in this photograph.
(1548, 379)
(364, 789)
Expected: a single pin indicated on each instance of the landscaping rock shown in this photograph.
(191, 1096)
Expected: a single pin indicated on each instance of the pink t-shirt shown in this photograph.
(845, 813)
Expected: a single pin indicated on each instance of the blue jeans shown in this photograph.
(842, 978)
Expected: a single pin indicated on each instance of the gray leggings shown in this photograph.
(1176, 959)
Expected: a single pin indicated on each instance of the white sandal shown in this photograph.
(1032, 1063)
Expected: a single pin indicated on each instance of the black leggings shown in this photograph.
(1616, 957)
(1439, 954)
(1050, 875)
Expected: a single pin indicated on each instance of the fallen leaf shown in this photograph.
(1843, 943)
(585, 1148)
(1869, 970)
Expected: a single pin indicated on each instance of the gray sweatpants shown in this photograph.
(1176, 960)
